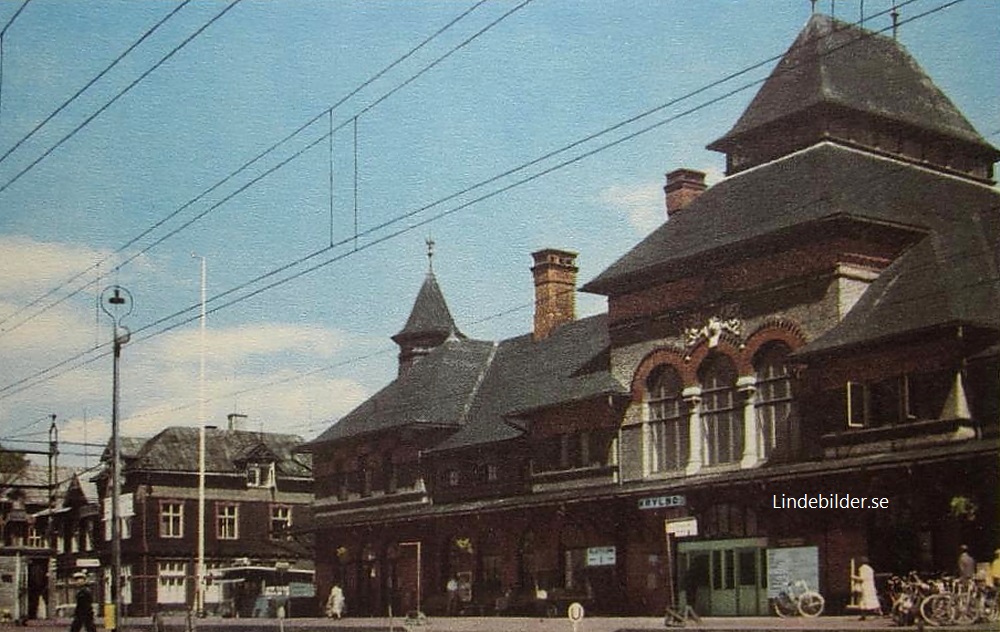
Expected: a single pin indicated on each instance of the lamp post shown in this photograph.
(116, 302)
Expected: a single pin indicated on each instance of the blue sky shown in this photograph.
(120, 169)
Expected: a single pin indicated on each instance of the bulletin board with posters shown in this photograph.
(790, 565)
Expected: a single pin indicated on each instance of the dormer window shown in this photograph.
(260, 475)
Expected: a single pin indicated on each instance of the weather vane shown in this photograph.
(430, 253)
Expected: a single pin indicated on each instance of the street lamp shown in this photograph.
(116, 302)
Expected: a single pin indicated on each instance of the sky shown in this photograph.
(141, 139)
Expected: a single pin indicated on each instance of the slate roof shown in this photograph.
(32, 483)
(571, 364)
(434, 392)
(950, 276)
(430, 314)
(837, 64)
(176, 449)
(480, 388)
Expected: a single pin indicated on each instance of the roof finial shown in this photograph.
(430, 254)
(895, 19)
(813, 3)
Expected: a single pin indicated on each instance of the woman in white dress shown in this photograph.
(864, 583)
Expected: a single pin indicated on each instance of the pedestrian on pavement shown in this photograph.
(452, 588)
(83, 614)
(864, 585)
(966, 563)
(335, 602)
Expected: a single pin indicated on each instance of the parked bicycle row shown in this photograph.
(941, 601)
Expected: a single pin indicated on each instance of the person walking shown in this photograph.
(83, 614)
(452, 588)
(864, 585)
(966, 563)
(335, 602)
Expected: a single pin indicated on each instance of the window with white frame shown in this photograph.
(171, 585)
(35, 539)
(227, 521)
(667, 439)
(720, 414)
(260, 475)
(774, 396)
(281, 522)
(213, 588)
(125, 589)
(171, 519)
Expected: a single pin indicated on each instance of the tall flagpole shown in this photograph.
(199, 600)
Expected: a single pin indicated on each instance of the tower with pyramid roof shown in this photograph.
(430, 322)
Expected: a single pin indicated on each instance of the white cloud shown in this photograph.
(286, 402)
(29, 268)
(642, 204)
(231, 345)
(266, 370)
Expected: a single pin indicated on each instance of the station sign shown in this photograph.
(662, 502)
(601, 556)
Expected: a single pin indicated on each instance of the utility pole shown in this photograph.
(116, 302)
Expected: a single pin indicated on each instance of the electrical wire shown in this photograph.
(3, 34)
(353, 121)
(328, 112)
(412, 227)
(118, 96)
(94, 80)
(7, 391)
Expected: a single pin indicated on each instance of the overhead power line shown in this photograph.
(43, 375)
(96, 78)
(3, 34)
(352, 121)
(117, 96)
(244, 167)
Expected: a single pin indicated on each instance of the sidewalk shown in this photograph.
(511, 624)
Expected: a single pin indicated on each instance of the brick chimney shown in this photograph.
(683, 186)
(555, 290)
(236, 421)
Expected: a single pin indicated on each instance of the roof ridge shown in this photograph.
(479, 381)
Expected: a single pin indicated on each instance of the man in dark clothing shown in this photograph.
(83, 615)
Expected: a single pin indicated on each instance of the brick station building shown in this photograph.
(824, 321)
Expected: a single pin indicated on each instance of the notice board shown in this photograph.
(790, 565)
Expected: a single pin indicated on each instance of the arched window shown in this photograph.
(774, 396)
(667, 447)
(720, 415)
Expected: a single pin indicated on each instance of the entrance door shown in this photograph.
(749, 592)
(696, 582)
(724, 577)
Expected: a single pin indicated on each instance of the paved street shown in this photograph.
(511, 624)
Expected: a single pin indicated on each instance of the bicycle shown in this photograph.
(797, 599)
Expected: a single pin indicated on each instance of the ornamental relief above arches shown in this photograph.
(715, 336)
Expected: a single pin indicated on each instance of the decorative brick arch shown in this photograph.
(658, 357)
(776, 330)
(729, 345)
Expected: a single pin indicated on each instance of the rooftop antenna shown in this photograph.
(430, 254)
